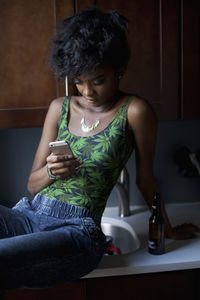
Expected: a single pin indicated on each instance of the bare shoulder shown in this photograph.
(56, 104)
(140, 111)
(139, 107)
(53, 112)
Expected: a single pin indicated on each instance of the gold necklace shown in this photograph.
(86, 128)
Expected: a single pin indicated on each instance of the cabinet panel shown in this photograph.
(25, 32)
(74, 290)
(26, 83)
(64, 9)
(81, 4)
(165, 286)
(190, 68)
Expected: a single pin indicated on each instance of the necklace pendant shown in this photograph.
(86, 128)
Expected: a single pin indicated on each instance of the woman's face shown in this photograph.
(98, 88)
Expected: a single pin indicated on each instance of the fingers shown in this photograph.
(189, 227)
(184, 231)
(180, 235)
(59, 158)
(192, 226)
(63, 165)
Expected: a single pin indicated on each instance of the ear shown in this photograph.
(121, 71)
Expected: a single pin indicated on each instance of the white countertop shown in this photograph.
(179, 255)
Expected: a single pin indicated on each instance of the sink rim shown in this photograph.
(126, 226)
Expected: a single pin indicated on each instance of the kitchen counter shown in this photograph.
(179, 255)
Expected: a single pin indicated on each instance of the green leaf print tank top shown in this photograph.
(104, 155)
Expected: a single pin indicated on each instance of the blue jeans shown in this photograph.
(47, 242)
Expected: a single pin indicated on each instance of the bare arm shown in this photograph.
(59, 165)
(143, 123)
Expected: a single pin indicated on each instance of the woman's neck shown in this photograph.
(106, 107)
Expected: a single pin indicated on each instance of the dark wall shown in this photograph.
(18, 147)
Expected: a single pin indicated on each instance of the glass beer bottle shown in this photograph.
(156, 243)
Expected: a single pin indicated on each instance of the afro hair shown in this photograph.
(88, 39)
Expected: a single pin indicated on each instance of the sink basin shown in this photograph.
(123, 236)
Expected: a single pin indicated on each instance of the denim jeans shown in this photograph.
(47, 242)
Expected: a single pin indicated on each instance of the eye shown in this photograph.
(99, 82)
(77, 82)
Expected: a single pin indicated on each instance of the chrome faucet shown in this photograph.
(122, 187)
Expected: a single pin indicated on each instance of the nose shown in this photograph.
(87, 90)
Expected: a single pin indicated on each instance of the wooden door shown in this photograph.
(164, 65)
(189, 59)
(27, 85)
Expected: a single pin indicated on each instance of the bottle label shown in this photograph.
(152, 244)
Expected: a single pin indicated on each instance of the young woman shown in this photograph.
(57, 236)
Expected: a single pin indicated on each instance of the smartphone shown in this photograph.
(60, 147)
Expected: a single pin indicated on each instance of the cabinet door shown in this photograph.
(27, 85)
(190, 61)
(74, 290)
(164, 65)
(173, 285)
(153, 69)
(81, 4)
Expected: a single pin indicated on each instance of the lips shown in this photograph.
(90, 99)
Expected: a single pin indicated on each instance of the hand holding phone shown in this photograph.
(65, 163)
